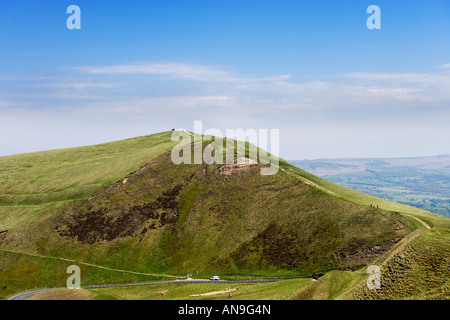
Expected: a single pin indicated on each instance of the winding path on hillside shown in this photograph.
(88, 264)
(308, 182)
(421, 221)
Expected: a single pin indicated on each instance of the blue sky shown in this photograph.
(311, 69)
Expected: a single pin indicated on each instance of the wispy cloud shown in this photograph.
(413, 87)
(445, 66)
(145, 105)
(399, 78)
(216, 87)
(74, 85)
(324, 110)
(188, 71)
(395, 85)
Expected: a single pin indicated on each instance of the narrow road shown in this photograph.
(26, 295)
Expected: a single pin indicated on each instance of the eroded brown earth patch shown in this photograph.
(144, 200)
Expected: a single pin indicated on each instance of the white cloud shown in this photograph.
(349, 90)
(187, 71)
(74, 85)
(181, 104)
(445, 66)
(4, 104)
(324, 115)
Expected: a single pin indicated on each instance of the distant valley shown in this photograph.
(422, 182)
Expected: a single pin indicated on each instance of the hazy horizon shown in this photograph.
(364, 158)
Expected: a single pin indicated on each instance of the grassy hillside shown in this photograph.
(280, 290)
(188, 218)
(358, 197)
(330, 286)
(419, 182)
(21, 272)
(125, 205)
(34, 184)
(418, 269)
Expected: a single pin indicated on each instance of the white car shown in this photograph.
(214, 278)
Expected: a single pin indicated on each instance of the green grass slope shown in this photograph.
(168, 218)
(280, 290)
(20, 272)
(125, 205)
(419, 269)
(330, 286)
(34, 184)
(431, 219)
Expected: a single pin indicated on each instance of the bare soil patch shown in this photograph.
(214, 293)
(240, 163)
